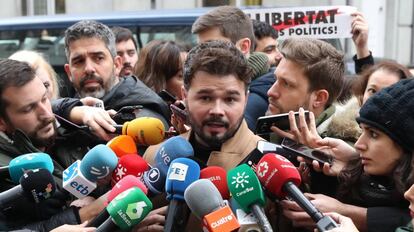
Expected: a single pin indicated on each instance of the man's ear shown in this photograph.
(68, 73)
(183, 93)
(244, 45)
(117, 64)
(3, 125)
(320, 98)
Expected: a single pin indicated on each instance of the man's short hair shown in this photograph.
(90, 29)
(13, 73)
(322, 64)
(123, 34)
(217, 58)
(232, 22)
(262, 30)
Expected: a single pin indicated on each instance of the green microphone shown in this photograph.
(245, 188)
(126, 210)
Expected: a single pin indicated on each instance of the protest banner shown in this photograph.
(323, 22)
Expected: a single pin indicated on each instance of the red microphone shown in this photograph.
(131, 164)
(122, 145)
(125, 183)
(218, 176)
(274, 171)
(279, 176)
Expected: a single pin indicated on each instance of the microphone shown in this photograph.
(126, 210)
(80, 178)
(206, 203)
(122, 145)
(169, 150)
(217, 175)
(125, 183)
(181, 174)
(144, 130)
(18, 166)
(248, 193)
(36, 185)
(280, 177)
(131, 164)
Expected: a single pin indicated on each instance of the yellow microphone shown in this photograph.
(144, 130)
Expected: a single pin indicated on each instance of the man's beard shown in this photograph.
(98, 92)
(43, 142)
(214, 140)
(126, 68)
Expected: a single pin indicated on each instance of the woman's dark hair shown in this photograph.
(158, 61)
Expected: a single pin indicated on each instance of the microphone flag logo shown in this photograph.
(178, 171)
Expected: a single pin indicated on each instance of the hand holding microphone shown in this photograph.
(279, 176)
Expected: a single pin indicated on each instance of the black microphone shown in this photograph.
(36, 185)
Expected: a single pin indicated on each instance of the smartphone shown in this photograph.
(167, 97)
(126, 113)
(179, 111)
(264, 123)
(306, 152)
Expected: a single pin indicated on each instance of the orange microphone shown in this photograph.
(122, 145)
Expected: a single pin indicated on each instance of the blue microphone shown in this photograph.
(18, 166)
(181, 174)
(171, 149)
(80, 178)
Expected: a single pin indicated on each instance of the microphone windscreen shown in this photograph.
(245, 187)
(217, 175)
(122, 145)
(125, 183)
(171, 149)
(274, 171)
(181, 174)
(129, 208)
(202, 197)
(154, 179)
(20, 164)
(38, 184)
(129, 165)
(98, 163)
(145, 130)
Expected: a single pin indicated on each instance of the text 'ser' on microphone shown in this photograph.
(126, 210)
(206, 203)
(181, 174)
(145, 130)
(129, 165)
(125, 183)
(35, 185)
(248, 193)
(18, 166)
(217, 175)
(123, 145)
(279, 176)
(80, 178)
